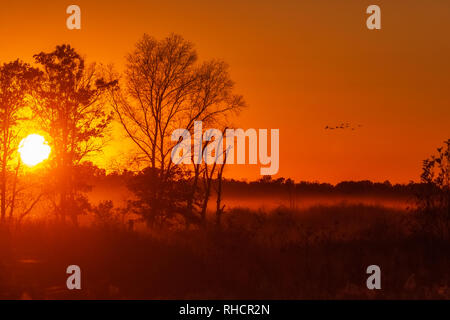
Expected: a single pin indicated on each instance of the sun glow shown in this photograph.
(33, 149)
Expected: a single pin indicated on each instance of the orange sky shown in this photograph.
(301, 65)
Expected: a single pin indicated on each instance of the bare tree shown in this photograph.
(166, 88)
(209, 171)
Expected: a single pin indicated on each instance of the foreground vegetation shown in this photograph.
(322, 252)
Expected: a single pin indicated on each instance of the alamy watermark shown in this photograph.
(216, 146)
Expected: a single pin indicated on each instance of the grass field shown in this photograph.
(319, 252)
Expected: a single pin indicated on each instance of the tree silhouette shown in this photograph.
(16, 79)
(434, 196)
(70, 109)
(166, 88)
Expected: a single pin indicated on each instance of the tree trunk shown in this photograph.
(208, 179)
(191, 197)
(14, 191)
(219, 207)
(3, 175)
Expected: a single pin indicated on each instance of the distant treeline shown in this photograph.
(282, 185)
(267, 185)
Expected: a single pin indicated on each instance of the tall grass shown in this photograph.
(320, 252)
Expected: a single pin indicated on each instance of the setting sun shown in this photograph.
(33, 149)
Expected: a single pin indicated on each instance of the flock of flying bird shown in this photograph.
(343, 126)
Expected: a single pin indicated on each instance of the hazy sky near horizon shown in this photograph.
(301, 65)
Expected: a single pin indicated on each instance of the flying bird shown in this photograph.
(343, 126)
